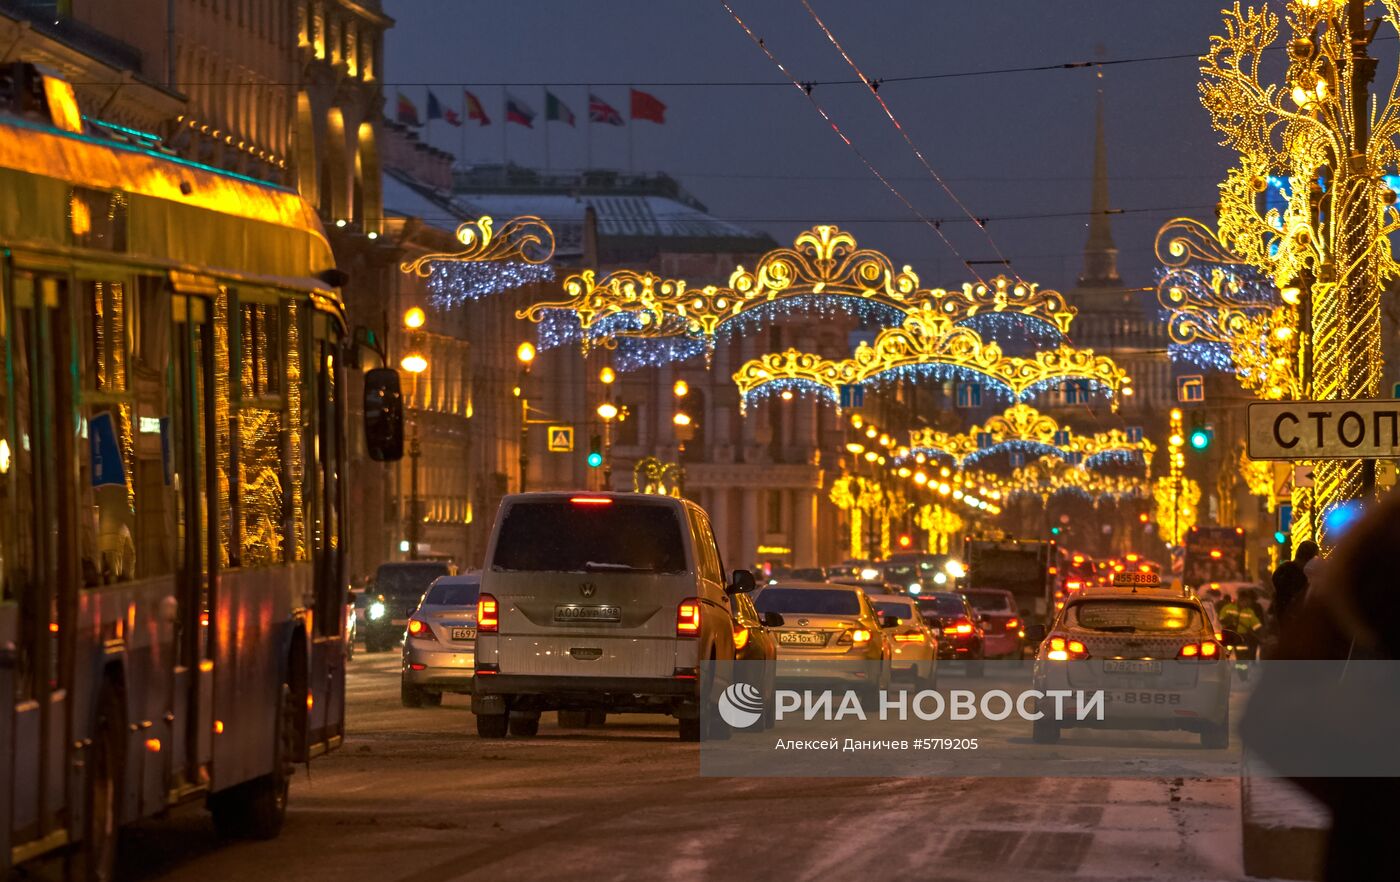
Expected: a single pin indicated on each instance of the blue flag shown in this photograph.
(434, 106)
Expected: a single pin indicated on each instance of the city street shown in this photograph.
(415, 796)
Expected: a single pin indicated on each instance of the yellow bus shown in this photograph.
(172, 499)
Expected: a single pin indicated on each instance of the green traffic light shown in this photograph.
(1280, 538)
(1054, 531)
(595, 459)
(1200, 439)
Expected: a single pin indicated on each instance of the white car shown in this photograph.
(915, 644)
(1152, 650)
(599, 602)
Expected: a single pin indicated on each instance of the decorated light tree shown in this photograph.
(1328, 246)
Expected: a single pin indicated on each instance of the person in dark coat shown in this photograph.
(1290, 581)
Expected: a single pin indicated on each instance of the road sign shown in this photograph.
(1308, 430)
(1302, 476)
(561, 439)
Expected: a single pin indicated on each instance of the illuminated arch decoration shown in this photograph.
(927, 344)
(823, 270)
(491, 261)
(1022, 428)
(1049, 476)
(655, 477)
(941, 524)
(861, 498)
(1223, 315)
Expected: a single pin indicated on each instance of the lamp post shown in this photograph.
(525, 355)
(684, 431)
(415, 364)
(1178, 459)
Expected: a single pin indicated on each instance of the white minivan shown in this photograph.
(598, 603)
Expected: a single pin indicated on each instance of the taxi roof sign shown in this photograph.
(1137, 580)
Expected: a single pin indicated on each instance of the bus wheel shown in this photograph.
(96, 858)
(257, 809)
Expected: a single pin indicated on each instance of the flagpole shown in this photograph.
(505, 124)
(588, 104)
(428, 123)
(462, 150)
(546, 130)
(631, 138)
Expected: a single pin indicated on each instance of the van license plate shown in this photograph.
(463, 633)
(574, 612)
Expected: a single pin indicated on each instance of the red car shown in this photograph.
(1001, 622)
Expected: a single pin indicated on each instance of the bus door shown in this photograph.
(195, 480)
(39, 567)
(326, 715)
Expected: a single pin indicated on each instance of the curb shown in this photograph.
(1284, 830)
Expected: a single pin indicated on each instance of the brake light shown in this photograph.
(1013, 624)
(962, 628)
(487, 616)
(1207, 650)
(688, 618)
(1074, 585)
(860, 636)
(1064, 649)
(590, 500)
(741, 638)
(909, 638)
(420, 629)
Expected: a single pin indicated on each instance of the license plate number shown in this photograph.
(573, 612)
(1131, 666)
(463, 633)
(1144, 697)
(802, 638)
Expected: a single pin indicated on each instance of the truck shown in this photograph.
(1022, 566)
(1214, 554)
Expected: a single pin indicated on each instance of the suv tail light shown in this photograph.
(1207, 650)
(688, 618)
(419, 629)
(487, 615)
(1064, 649)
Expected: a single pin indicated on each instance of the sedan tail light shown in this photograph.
(909, 638)
(419, 629)
(854, 637)
(960, 627)
(487, 615)
(1064, 649)
(688, 618)
(1207, 650)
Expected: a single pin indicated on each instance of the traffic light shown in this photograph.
(1201, 437)
(1054, 531)
(595, 451)
(905, 540)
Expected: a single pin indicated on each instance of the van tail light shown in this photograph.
(688, 618)
(488, 619)
(1013, 624)
(1065, 649)
(419, 629)
(1207, 650)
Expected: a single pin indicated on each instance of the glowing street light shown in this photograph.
(525, 352)
(607, 376)
(681, 389)
(414, 363)
(607, 410)
(414, 318)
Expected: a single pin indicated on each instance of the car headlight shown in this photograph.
(955, 569)
(376, 610)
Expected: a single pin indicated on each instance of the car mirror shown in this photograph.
(1035, 633)
(383, 415)
(772, 620)
(740, 581)
(889, 621)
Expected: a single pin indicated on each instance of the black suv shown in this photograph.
(393, 596)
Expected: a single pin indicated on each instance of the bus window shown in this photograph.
(297, 411)
(154, 466)
(106, 488)
(260, 457)
(331, 585)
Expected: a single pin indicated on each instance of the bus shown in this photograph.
(1214, 554)
(172, 499)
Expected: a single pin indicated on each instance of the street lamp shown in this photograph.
(414, 318)
(608, 412)
(684, 432)
(415, 364)
(525, 354)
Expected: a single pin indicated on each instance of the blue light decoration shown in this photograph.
(1197, 339)
(1015, 447)
(1340, 518)
(797, 387)
(1085, 392)
(635, 353)
(454, 283)
(1015, 332)
(869, 313)
(1125, 458)
(999, 391)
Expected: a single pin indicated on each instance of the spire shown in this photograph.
(1100, 254)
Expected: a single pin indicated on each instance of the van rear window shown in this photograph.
(622, 537)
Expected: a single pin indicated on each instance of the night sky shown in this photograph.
(1010, 144)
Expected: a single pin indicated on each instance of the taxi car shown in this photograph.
(1154, 652)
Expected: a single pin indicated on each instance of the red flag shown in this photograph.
(475, 110)
(647, 106)
(406, 112)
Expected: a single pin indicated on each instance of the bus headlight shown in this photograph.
(376, 610)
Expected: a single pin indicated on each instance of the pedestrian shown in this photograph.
(1291, 580)
(1353, 617)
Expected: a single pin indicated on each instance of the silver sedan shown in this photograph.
(439, 647)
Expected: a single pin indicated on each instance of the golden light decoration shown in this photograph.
(527, 238)
(653, 476)
(927, 338)
(1330, 243)
(1175, 495)
(823, 262)
(1050, 475)
(941, 524)
(1023, 423)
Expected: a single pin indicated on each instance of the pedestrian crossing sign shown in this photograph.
(561, 439)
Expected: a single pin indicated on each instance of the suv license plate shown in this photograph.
(1131, 666)
(802, 638)
(574, 612)
(463, 633)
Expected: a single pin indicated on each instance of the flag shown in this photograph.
(407, 113)
(600, 111)
(647, 106)
(554, 109)
(451, 116)
(434, 107)
(475, 110)
(519, 112)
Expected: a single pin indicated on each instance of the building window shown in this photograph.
(969, 394)
(774, 519)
